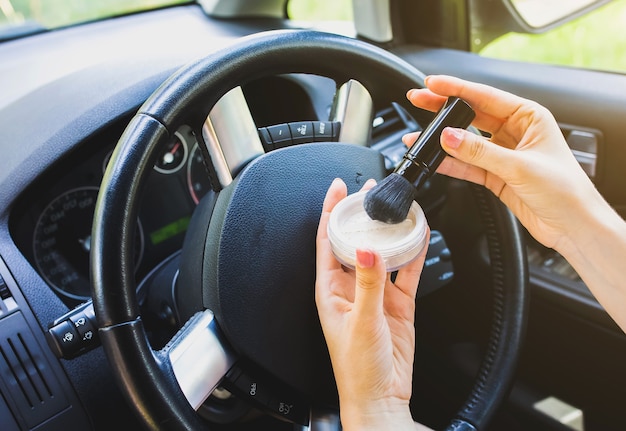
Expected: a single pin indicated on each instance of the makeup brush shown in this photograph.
(389, 201)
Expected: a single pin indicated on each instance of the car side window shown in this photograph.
(594, 41)
(320, 10)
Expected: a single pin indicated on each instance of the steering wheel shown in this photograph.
(246, 283)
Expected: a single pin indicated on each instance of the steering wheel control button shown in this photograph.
(253, 389)
(279, 400)
(281, 135)
(301, 132)
(350, 227)
(324, 131)
(290, 408)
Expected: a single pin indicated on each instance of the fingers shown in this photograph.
(368, 184)
(477, 151)
(409, 275)
(325, 259)
(410, 138)
(456, 168)
(371, 276)
(336, 192)
(484, 98)
(493, 107)
(426, 99)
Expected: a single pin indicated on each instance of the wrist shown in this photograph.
(591, 225)
(378, 415)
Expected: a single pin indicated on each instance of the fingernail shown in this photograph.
(452, 137)
(426, 80)
(410, 93)
(364, 258)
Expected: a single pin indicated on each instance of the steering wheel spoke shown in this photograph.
(199, 357)
(231, 136)
(354, 109)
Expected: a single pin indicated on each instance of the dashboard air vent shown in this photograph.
(388, 127)
(31, 389)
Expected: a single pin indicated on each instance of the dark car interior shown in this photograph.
(161, 184)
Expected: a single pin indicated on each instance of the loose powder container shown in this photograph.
(350, 228)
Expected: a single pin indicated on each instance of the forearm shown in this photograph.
(596, 249)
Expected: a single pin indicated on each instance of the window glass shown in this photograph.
(320, 10)
(58, 13)
(594, 41)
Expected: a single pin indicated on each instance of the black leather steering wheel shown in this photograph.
(247, 273)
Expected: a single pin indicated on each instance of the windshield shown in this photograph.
(21, 17)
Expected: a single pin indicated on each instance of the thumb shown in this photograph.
(371, 276)
(474, 150)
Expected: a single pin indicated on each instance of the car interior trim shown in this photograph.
(67, 96)
(373, 20)
(230, 135)
(199, 359)
(237, 8)
(354, 109)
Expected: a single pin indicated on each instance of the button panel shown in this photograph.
(284, 135)
(74, 333)
(275, 398)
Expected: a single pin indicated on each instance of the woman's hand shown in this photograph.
(526, 162)
(368, 323)
(528, 165)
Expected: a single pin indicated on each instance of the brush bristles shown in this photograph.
(390, 200)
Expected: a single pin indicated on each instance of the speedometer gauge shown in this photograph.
(174, 155)
(62, 242)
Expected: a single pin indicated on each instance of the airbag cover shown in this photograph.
(259, 266)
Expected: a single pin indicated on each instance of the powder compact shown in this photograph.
(350, 228)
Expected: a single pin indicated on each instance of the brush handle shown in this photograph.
(421, 160)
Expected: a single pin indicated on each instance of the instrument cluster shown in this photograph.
(52, 223)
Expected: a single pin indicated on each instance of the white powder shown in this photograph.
(350, 228)
(360, 230)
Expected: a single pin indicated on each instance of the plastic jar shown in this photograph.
(350, 228)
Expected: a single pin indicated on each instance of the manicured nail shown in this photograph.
(365, 258)
(452, 137)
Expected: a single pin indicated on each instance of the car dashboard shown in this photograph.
(67, 122)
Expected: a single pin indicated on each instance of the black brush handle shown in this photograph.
(421, 160)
